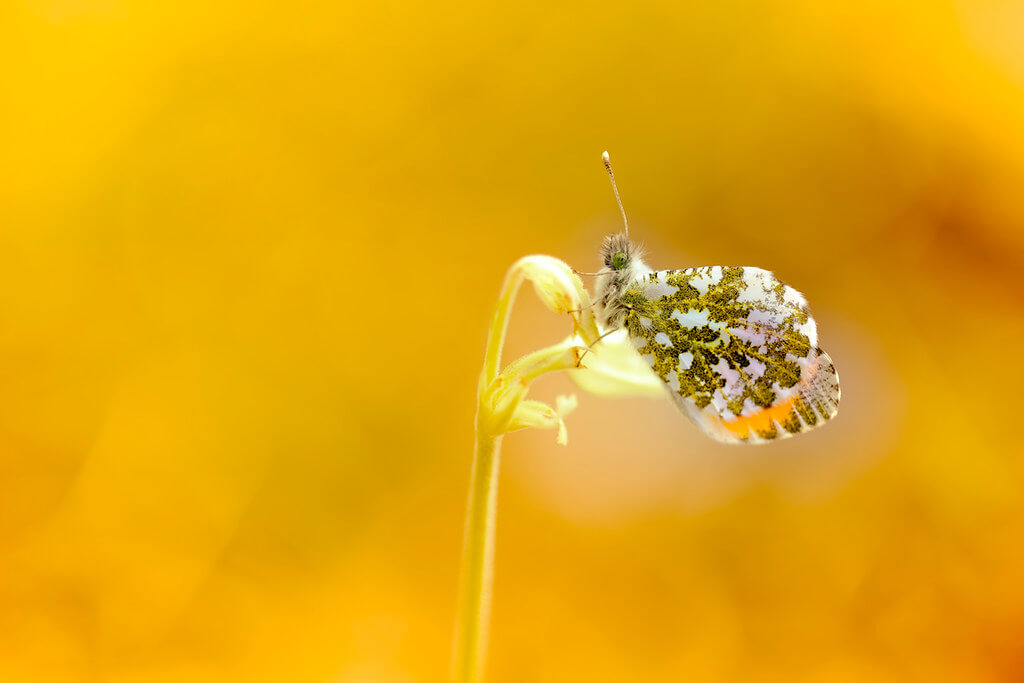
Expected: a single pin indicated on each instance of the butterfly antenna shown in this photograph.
(608, 165)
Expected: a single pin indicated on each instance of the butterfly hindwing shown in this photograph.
(736, 348)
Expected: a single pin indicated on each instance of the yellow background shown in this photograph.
(247, 260)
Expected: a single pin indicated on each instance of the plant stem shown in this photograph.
(498, 398)
(499, 323)
(477, 562)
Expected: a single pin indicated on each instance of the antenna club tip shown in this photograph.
(605, 157)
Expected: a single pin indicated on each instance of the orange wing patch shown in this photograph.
(815, 401)
(762, 422)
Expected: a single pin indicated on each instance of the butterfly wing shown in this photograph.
(737, 350)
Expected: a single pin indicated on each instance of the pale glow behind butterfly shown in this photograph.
(736, 348)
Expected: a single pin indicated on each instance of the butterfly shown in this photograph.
(736, 348)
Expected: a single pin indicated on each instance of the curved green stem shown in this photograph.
(499, 397)
(473, 619)
(477, 562)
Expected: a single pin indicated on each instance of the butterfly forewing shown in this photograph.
(736, 348)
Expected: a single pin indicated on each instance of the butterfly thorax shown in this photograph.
(623, 266)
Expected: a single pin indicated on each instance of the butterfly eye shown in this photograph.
(619, 261)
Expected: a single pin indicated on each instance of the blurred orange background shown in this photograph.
(248, 256)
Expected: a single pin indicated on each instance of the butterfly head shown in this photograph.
(617, 252)
(623, 265)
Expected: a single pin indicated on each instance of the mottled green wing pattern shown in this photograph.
(736, 348)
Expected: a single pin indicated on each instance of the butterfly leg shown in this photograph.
(590, 346)
(582, 308)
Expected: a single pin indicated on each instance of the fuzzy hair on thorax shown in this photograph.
(611, 283)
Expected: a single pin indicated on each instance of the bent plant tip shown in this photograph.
(612, 369)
